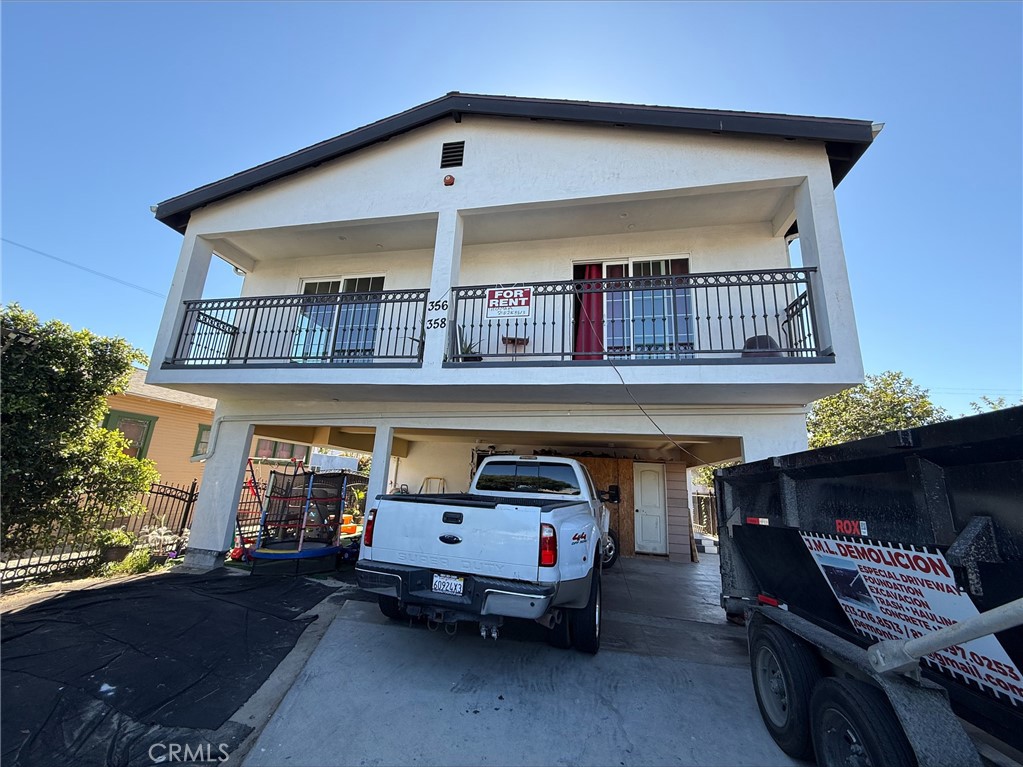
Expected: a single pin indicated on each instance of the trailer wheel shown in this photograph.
(391, 607)
(854, 724)
(610, 550)
(785, 671)
(560, 634)
(586, 622)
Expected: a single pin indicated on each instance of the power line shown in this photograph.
(86, 269)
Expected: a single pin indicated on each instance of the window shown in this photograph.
(651, 323)
(202, 440)
(136, 427)
(282, 451)
(513, 476)
(343, 329)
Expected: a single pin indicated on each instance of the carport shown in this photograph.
(652, 515)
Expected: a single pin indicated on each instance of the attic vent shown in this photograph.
(451, 154)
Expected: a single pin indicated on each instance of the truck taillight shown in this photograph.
(548, 546)
(367, 532)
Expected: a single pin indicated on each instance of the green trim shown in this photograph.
(198, 438)
(114, 417)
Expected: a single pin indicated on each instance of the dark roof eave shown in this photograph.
(845, 140)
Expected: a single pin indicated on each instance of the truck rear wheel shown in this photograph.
(391, 607)
(586, 621)
(853, 723)
(785, 672)
(610, 550)
(560, 634)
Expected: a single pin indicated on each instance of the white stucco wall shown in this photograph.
(508, 162)
(512, 165)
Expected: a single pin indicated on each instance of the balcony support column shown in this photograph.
(188, 282)
(212, 531)
(820, 242)
(447, 263)
(383, 442)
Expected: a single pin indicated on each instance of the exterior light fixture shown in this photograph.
(449, 181)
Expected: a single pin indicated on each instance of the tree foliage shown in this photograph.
(704, 475)
(59, 466)
(882, 403)
(988, 404)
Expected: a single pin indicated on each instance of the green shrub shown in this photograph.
(106, 539)
(138, 561)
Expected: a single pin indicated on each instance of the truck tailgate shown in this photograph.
(499, 540)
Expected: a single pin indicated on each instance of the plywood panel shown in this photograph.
(627, 517)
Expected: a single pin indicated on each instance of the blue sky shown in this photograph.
(108, 108)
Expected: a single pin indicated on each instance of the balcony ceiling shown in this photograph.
(338, 239)
(587, 218)
(624, 216)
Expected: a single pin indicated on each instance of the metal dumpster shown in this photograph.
(828, 552)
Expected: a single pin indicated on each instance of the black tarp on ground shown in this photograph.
(97, 676)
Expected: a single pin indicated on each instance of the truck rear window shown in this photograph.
(515, 477)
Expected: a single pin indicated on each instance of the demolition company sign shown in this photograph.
(894, 593)
(508, 302)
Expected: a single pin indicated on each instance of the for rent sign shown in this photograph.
(508, 302)
(889, 592)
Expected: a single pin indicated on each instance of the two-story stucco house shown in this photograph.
(487, 273)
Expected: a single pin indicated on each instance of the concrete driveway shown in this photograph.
(671, 685)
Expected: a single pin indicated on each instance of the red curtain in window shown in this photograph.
(589, 329)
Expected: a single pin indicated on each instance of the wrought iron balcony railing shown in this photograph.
(683, 318)
(691, 318)
(328, 329)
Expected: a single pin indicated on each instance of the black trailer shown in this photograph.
(882, 586)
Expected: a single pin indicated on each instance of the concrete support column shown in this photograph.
(447, 263)
(213, 524)
(188, 282)
(381, 467)
(820, 242)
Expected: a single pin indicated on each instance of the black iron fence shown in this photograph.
(705, 514)
(168, 514)
(765, 313)
(326, 329)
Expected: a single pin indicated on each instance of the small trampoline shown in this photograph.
(308, 515)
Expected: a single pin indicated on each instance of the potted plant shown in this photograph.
(468, 351)
(115, 544)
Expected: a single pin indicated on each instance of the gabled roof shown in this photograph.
(138, 387)
(844, 140)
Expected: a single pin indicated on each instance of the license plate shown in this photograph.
(447, 584)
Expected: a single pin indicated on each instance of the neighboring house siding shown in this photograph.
(173, 435)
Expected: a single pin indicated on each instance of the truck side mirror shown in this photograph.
(611, 495)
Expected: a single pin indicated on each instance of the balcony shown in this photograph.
(328, 329)
(689, 318)
(725, 317)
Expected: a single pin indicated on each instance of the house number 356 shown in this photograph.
(437, 306)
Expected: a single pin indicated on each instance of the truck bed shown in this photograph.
(480, 501)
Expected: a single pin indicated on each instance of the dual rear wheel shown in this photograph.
(839, 721)
(579, 627)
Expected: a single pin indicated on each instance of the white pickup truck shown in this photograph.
(528, 540)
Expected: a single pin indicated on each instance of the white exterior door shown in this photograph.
(651, 509)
